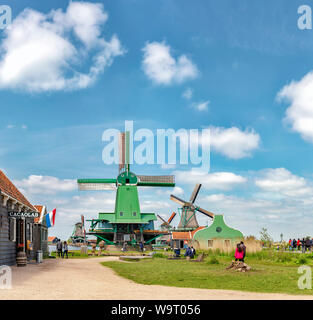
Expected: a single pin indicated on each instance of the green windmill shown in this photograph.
(127, 223)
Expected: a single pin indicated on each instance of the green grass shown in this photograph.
(271, 272)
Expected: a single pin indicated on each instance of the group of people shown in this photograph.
(304, 244)
(190, 252)
(62, 249)
(240, 252)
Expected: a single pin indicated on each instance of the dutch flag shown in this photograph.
(50, 218)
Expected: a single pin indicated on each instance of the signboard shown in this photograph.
(23, 214)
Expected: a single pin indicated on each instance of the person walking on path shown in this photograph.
(65, 250)
(298, 244)
(294, 242)
(141, 246)
(239, 253)
(59, 248)
(289, 244)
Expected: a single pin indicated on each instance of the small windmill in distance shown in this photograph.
(187, 212)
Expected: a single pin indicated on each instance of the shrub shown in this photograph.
(159, 255)
(213, 260)
(301, 260)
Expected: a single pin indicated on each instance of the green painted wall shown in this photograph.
(218, 231)
(127, 203)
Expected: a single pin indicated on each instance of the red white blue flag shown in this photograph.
(50, 218)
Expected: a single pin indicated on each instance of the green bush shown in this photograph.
(301, 260)
(159, 255)
(213, 260)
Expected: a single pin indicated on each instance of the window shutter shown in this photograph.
(12, 229)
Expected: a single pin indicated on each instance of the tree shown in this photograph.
(266, 238)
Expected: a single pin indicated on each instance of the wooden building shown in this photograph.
(40, 241)
(16, 222)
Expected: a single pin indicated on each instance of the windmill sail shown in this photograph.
(121, 151)
(96, 184)
(177, 200)
(195, 193)
(160, 181)
(171, 217)
(206, 212)
(164, 221)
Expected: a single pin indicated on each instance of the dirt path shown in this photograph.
(87, 279)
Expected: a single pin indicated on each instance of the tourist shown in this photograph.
(307, 244)
(294, 244)
(177, 252)
(65, 250)
(188, 252)
(59, 248)
(193, 251)
(298, 244)
(244, 249)
(141, 246)
(239, 253)
(303, 245)
(289, 244)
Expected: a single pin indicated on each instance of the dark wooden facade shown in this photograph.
(7, 247)
(17, 223)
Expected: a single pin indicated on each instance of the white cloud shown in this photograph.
(230, 142)
(45, 185)
(44, 52)
(300, 112)
(284, 183)
(201, 106)
(233, 142)
(187, 94)
(162, 68)
(210, 181)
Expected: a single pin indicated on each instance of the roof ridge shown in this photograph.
(8, 187)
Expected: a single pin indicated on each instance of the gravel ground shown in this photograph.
(57, 279)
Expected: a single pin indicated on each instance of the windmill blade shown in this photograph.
(177, 200)
(156, 181)
(195, 193)
(121, 150)
(171, 217)
(96, 184)
(206, 212)
(164, 221)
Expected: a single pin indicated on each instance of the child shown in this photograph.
(239, 253)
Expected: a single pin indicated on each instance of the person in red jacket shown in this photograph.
(239, 253)
(298, 243)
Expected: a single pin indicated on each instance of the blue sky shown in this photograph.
(237, 58)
